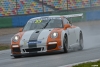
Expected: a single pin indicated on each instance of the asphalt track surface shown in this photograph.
(91, 31)
(6, 39)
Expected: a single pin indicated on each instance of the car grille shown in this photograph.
(16, 50)
(53, 46)
(33, 49)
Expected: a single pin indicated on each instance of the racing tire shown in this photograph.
(65, 44)
(81, 41)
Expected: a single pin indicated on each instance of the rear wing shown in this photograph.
(73, 15)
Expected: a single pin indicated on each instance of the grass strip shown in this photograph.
(4, 47)
(89, 64)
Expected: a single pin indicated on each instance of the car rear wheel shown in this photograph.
(65, 44)
(81, 41)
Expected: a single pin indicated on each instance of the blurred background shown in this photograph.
(15, 13)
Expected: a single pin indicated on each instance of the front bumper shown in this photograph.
(52, 46)
(25, 54)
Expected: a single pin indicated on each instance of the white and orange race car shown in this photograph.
(46, 34)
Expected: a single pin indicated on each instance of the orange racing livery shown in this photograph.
(46, 34)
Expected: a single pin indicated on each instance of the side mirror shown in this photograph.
(21, 29)
(66, 26)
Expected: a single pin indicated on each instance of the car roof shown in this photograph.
(45, 16)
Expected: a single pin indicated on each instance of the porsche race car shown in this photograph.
(47, 34)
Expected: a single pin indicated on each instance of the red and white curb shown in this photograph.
(70, 65)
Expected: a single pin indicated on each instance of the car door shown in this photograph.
(73, 35)
(71, 32)
(70, 35)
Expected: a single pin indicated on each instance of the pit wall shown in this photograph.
(20, 21)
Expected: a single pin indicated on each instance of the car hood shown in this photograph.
(32, 36)
(36, 34)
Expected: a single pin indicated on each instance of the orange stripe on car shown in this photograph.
(73, 26)
(58, 39)
(20, 34)
(68, 26)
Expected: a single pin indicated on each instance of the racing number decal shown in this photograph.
(38, 21)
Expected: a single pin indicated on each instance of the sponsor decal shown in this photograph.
(25, 42)
(34, 42)
(38, 21)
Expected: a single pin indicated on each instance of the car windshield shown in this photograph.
(42, 23)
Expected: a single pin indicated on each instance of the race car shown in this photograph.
(47, 34)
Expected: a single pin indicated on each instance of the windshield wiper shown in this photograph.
(46, 24)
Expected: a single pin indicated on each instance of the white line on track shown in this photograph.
(70, 65)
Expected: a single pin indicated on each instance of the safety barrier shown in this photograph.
(5, 22)
(19, 21)
(93, 15)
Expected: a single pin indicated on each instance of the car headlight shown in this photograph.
(54, 35)
(15, 38)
